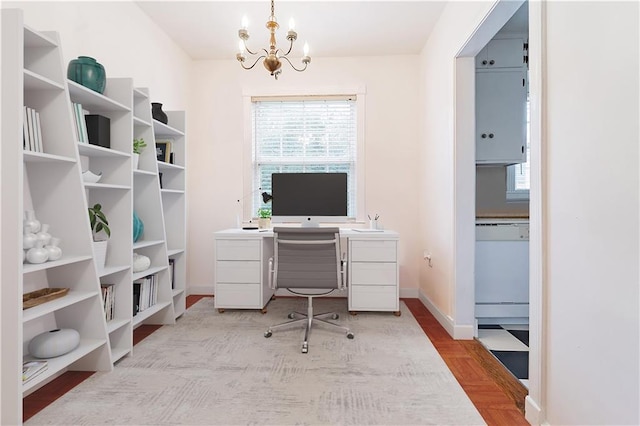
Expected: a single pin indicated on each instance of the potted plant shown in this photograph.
(99, 226)
(138, 145)
(264, 218)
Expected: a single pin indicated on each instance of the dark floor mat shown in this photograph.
(516, 361)
(522, 335)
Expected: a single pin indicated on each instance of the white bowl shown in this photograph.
(90, 177)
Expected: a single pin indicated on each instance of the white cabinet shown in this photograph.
(501, 53)
(373, 275)
(48, 182)
(501, 98)
(241, 271)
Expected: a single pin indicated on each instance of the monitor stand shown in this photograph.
(310, 223)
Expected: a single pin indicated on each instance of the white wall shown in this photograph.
(216, 154)
(119, 36)
(438, 162)
(590, 213)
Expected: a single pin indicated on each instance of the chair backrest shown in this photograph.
(307, 258)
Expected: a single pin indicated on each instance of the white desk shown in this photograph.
(242, 263)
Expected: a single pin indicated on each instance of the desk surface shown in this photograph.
(344, 232)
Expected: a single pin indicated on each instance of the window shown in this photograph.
(518, 174)
(304, 134)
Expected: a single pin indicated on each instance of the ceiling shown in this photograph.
(209, 29)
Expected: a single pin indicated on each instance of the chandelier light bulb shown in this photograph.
(244, 23)
(240, 47)
(292, 24)
(305, 49)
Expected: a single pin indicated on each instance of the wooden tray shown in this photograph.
(38, 297)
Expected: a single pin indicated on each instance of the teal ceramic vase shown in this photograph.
(138, 227)
(88, 72)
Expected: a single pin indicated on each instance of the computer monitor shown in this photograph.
(309, 198)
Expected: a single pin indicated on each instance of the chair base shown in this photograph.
(308, 319)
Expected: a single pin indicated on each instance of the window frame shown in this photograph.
(248, 178)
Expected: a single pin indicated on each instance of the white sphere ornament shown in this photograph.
(140, 262)
(37, 254)
(51, 344)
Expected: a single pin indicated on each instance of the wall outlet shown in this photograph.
(427, 256)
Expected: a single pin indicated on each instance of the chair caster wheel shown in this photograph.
(350, 335)
(291, 316)
(335, 316)
(305, 348)
(268, 333)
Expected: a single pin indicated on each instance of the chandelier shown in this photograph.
(274, 56)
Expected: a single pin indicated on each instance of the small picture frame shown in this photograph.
(163, 151)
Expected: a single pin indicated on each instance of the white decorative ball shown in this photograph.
(54, 343)
(140, 262)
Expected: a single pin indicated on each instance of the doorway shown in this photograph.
(465, 180)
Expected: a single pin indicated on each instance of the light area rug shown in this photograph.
(216, 368)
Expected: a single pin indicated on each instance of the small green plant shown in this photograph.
(98, 220)
(139, 145)
(264, 213)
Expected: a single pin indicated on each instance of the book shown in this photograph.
(31, 369)
(172, 273)
(108, 300)
(28, 118)
(25, 130)
(38, 131)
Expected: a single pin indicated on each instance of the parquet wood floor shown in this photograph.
(497, 395)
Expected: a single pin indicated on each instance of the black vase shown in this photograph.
(157, 113)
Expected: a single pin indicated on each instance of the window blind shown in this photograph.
(304, 134)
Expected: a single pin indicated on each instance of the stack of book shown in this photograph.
(32, 131)
(145, 293)
(108, 300)
(31, 369)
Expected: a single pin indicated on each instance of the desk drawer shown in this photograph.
(238, 249)
(238, 271)
(373, 251)
(238, 296)
(373, 273)
(373, 298)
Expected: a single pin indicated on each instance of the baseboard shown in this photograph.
(457, 332)
(532, 411)
(206, 290)
(409, 293)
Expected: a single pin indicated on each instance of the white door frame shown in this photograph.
(464, 185)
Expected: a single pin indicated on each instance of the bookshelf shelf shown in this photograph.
(141, 317)
(55, 365)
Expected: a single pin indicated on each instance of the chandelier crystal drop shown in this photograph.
(273, 57)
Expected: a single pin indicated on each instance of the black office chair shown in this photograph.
(307, 259)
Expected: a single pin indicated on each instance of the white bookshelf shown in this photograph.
(174, 201)
(147, 203)
(50, 183)
(114, 191)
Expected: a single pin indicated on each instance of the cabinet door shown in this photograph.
(501, 53)
(500, 117)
